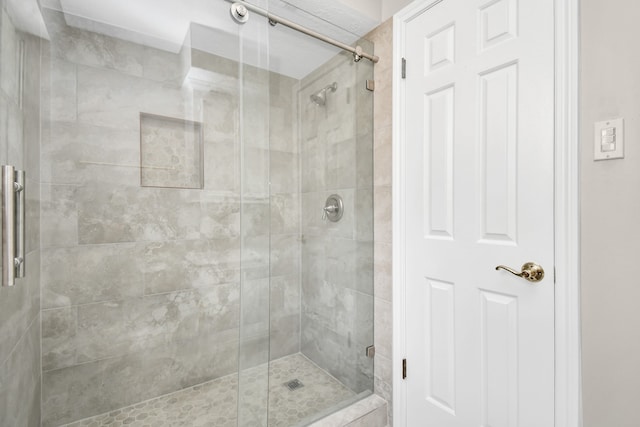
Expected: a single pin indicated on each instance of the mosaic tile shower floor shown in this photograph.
(215, 403)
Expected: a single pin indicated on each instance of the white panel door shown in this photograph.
(479, 135)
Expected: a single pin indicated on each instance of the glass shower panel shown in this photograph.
(306, 133)
(336, 151)
(141, 232)
(253, 362)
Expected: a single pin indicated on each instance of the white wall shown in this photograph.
(389, 7)
(380, 10)
(371, 8)
(610, 67)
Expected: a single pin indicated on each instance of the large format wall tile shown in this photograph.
(62, 91)
(87, 48)
(161, 66)
(285, 295)
(109, 214)
(342, 358)
(9, 40)
(222, 165)
(340, 170)
(284, 254)
(364, 162)
(190, 264)
(283, 114)
(19, 305)
(97, 387)
(90, 273)
(59, 214)
(349, 264)
(59, 329)
(15, 135)
(255, 258)
(255, 172)
(285, 213)
(220, 115)
(284, 336)
(221, 149)
(134, 325)
(312, 158)
(220, 216)
(112, 99)
(79, 153)
(341, 309)
(283, 172)
(20, 381)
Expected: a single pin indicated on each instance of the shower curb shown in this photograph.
(368, 412)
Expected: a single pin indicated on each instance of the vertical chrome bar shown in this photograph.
(8, 226)
(20, 222)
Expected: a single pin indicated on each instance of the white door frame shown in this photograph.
(568, 410)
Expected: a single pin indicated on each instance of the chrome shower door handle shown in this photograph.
(20, 223)
(13, 222)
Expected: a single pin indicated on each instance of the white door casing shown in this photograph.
(477, 188)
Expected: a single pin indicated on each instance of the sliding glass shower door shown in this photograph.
(306, 147)
(255, 220)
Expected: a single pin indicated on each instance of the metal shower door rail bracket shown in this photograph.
(357, 51)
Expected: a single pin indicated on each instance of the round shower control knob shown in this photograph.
(333, 208)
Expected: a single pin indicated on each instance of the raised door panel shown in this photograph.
(498, 117)
(438, 155)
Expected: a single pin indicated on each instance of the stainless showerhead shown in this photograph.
(320, 98)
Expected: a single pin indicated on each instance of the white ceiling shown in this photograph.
(163, 24)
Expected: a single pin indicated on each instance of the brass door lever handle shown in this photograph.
(530, 271)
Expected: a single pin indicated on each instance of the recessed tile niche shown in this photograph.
(170, 152)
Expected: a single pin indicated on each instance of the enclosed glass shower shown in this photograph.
(206, 219)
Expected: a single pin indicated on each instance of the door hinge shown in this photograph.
(404, 68)
(404, 369)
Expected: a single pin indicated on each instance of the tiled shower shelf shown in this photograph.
(171, 152)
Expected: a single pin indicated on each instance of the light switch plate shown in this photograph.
(608, 140)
